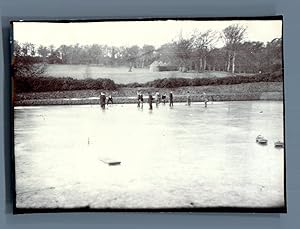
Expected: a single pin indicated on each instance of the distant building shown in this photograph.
(159, 66)
(154, 67)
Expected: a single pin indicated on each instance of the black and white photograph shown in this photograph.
(148, 115)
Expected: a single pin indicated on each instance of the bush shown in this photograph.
(182, 82)
(169, 83)
(44, 84)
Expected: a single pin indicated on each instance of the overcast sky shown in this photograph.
(134, 32)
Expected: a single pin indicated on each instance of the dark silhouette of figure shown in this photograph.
(171, 99)
(110, 100)
(102, 100)
(142, 100)
(205, 99)
(188, 98)
(138, 98)
(150, 98)
(163, 97)
(157, 98)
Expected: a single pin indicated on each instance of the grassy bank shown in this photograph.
(245, 91)
(121, 74)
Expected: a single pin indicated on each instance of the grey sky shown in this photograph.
(134, 32)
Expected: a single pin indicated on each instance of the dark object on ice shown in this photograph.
(279, 144)
(114, 163)
(261, 140)
(110, 163)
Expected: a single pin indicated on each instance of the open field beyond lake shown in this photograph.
(121, 74)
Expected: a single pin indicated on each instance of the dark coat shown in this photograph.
(150, 98)
(102, 99)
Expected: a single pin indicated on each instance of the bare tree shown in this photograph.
(183, 50)
(233, 36)
(202, 43)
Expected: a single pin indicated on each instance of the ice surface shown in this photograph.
(186, 156)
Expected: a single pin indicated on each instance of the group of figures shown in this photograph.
(157, 98)
(105, 100)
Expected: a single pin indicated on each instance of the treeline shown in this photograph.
(45, 84)
(96, 54)
(197, 52)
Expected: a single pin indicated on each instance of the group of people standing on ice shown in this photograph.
(163, 98)
(158, 98)
(105, 100)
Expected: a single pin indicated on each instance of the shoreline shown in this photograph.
(268, 96)
(235, 92)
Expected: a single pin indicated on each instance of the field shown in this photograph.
(121, 74)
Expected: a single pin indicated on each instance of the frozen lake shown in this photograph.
(170, 157)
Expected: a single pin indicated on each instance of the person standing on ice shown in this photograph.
(205, 99)
(157, 98)
(150, 100)
(164, 96)
(110, 100)
(188, 97)
(102, 100)
(171, 98)
(139, 98)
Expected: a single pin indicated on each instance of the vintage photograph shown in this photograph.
(149, 115)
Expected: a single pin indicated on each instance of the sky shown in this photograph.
(138, 33)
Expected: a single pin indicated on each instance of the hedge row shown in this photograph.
(43, 84)
(182, 82)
